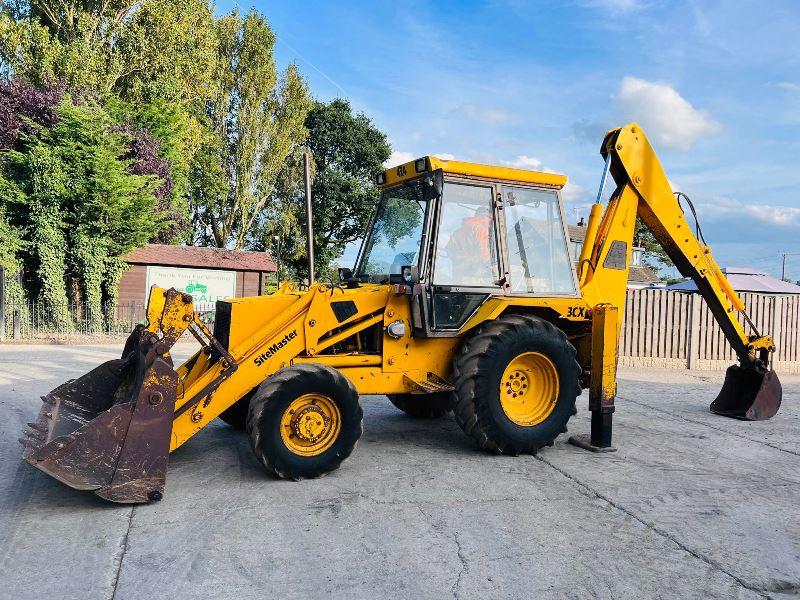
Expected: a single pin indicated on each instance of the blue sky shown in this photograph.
(715, 84)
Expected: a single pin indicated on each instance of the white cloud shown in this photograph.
(572, 192)
(524, 162)
(768, 214)
(789, 86)
(444, 155)
(398, 158)
(663, 113)
(484, 114)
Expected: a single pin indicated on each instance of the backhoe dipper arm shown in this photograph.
(643, 189)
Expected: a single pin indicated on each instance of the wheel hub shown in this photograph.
(310, 424)
(529, 389)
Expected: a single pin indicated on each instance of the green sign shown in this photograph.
(206, 286)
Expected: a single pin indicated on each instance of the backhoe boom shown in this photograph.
(644, 191)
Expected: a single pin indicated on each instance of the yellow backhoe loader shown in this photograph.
(464, 297)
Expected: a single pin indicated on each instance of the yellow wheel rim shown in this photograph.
(529, 389)
(310, 424)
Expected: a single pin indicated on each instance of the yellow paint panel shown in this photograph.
(407, 171)
(491, 172)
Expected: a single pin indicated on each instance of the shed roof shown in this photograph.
(744, 279)
(200, 257)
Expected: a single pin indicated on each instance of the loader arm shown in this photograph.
(643, 190)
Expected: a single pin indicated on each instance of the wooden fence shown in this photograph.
(663, 328)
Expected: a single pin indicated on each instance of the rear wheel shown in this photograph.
(304, 421)
(516, 385)
(423, 406)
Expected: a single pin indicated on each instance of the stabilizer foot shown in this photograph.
(585, 441)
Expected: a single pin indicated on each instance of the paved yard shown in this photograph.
(692, 505)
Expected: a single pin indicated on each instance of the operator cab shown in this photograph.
(460, 233)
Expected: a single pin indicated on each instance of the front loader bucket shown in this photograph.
(748, 394)
(109, 430)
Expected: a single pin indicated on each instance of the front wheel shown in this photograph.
(516, 384)
(304, 421)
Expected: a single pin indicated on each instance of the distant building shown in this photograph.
(746, 280)
(208, 274)
(640, 275)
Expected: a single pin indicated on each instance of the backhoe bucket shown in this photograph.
(748, 394)
(109, 430)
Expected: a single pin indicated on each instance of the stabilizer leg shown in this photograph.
(603, 387)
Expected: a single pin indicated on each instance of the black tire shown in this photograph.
(423, 406)
(236, 415)
(273, 398)
(478, 372)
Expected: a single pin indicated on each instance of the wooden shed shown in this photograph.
(208, 274)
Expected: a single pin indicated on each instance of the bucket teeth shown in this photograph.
(35, 435)
(37, 426)
(48, 399)
(28, 443)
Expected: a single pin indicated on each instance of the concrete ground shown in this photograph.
(691, 506)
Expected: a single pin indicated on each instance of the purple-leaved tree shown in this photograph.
(22, 104)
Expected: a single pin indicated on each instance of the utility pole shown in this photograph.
(277, 239)
(309, 217)
(783, 262)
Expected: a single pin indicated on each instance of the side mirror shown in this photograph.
(410, 273)
(346, 277)
(433, 185)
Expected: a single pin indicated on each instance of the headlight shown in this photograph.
(380, 178)
(407, 274)
(420, 165)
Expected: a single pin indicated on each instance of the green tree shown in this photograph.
(44, 40)
(70, 190)
(11, 248)
(255, 122)
(348, 151)
(653, 255)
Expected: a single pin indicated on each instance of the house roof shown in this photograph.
(744, 279)
(577, 233)
(642, 274)
(200, 257)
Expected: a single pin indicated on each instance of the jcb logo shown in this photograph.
(401, 171)
(578, 312)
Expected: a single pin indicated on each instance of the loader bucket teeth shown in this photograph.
(748, 394)
(109, 430)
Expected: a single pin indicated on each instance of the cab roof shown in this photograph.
(417, 167)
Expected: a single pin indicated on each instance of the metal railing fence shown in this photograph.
(35, 320)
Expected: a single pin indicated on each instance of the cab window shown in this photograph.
(466, 248)
(538, 254)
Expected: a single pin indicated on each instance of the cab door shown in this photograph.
(467, 260)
